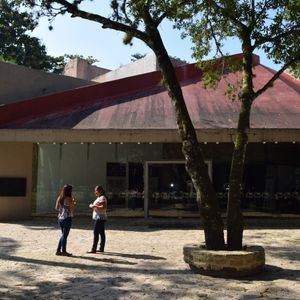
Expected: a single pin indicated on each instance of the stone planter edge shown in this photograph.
(224, 263)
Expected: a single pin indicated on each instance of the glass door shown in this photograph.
(169, 190)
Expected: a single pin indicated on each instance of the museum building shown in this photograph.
(120, 131)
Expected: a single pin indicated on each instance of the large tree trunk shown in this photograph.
(234, 213)
(235, 223)
(195, 164)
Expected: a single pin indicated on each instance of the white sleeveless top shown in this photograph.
(97, 213)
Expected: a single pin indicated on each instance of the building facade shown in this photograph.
(122, 134)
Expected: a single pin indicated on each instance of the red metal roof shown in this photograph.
(142, 102)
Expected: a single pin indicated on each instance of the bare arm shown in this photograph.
(104, 204)
(57, 204)
(99, 205)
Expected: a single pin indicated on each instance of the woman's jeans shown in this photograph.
(99, 228)
(65, 226)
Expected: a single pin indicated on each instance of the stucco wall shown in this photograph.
(144, 65)
(16, 161)
(80, 68)
(21, 83)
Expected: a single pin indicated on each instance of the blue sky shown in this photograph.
(78, 36)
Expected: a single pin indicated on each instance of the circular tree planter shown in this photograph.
(224, 263)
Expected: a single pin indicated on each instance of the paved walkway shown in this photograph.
(140, 262)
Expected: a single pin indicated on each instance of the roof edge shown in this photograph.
(68, 101)
(21, 111)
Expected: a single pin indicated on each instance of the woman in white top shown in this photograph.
(99, 207)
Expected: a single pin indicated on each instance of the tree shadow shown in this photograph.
(69, 264)
(85, 223)
(8, 245)
(86, 287)
(110, 274)
(149, 225)
(36, 224)
(129, 265)
(272, 272)
(272, 222)
(284, 252)
(119, 283)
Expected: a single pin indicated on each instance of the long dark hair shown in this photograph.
(100, 189)
(65, 192)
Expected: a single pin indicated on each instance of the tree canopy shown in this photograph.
(16, 44)
(270, 26)
(19, 47)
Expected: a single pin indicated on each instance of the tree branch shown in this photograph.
(253, 19)
(294, 30)
(106, 23)
(123, 8)
(166, 13)
(275, 76)
(228, 15)
(160, 18)
(217, 43)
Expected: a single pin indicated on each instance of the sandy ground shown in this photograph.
(140, 262)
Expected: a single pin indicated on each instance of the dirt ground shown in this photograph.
(142, 260)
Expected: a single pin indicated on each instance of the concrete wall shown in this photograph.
(20, 83)
(16, 161)
(80, 68)
(144, 65)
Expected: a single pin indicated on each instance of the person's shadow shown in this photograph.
(106, 257)
(135, 256)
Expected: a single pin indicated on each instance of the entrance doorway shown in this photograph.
(169, 190)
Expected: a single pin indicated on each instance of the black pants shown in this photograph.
(99, 229)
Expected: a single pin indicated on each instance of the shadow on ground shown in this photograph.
(155, 224)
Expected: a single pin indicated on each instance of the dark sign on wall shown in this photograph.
(12, 187)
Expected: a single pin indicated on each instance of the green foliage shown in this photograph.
(271, 26)
(16, 44)
(18, 47)
(216, 69)
(127, 39)
(11, 61)
(294, 71)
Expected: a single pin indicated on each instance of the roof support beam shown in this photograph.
(142, 135)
